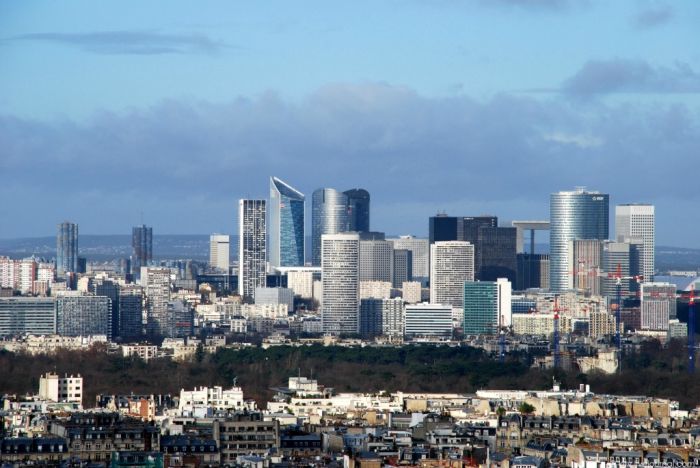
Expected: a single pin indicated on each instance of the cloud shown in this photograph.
(598, 77)
(185, 163)
(653, 17)
(130, 42)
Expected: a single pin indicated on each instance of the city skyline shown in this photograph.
(464, 118)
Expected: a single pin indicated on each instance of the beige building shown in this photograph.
(61, 389)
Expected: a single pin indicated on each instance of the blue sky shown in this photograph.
(176, 109)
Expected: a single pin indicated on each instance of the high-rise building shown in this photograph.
(487, 306)
(358, 210)
(67, 249)
(27, 315)
(102, 285)
(252, 247)
(495, 253)
(219, 252)
(130, 312)
(403, 267)
(637, 221)
(381, 317)
(286, 224)
(430, 320)
(578, 214)
(376, 260)
(533, 271)
(444, 228)
(585, 258)
(83, 316)
(18, 274)
(156, 283)
(615, 258)
(275, 296)
(451, 264)
(420, 252)
(329, 215)
(411, 292)
(141, 247)
(340, 275)
(658, 305)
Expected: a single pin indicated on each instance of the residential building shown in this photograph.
(340, 258)
(84, 316)
(577, 214)
(658, 305)
(27, 315)
(252, 248)
(156, 282)
(287, 209)
(245, 433)
(61, 389)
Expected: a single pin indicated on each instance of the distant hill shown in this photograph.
(196, 247)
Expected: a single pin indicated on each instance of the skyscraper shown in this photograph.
(496, 253)
(451, 264)
(420, 250)
(638, 221)
(443, 228)
(487, 306)
(358, 210)
(340, 274)
(219, 252)
(403, 267)
(578, 214)
(252, 246)
(141, 247)
(329, 215)
(83, 316)
(286, 224)
(67, 249)
(156, 282)
(658, 305)
(376, 260)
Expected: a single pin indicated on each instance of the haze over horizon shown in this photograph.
(112, 113)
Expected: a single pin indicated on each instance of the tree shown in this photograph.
(501, 411)
(526, 408)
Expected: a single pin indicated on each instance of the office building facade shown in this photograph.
(381, 317)
(577, 214)
(358, 210)
(403, 267)
(658, 305)
(219, 252)
(376, 260)
(487, 306)
(252, 248)
(84, 316)
(67, 249)
(329, 215)
(428, 320)
(420, 254)
(156, 283)
(27, 315)
(340, 276)
(533, 271)
(451, 264)
(637, 221)
(287, 209)
(141, 247)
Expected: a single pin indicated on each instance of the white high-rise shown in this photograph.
(451, 264)
(252, 246)
(636, 221)
(219, 252)
(340, 274)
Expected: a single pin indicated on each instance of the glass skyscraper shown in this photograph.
(286, 224)
(67, 248)
(358, 210)
(329, 215)
(141, 247)
(573, 215)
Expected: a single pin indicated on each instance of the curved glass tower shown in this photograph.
(286, 224)
(329, 215)
(358, 210)
(573, 215)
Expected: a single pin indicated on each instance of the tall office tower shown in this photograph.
(487, 306)
(403, 267)
(444, 228)
(329, 215)
(585, 258)
(636, 221)
(533, 271)
(340, 276)
(420, 250)
(376, 260)
(67, 249)
(130, 312)
(658, 305)
(156, 283)
(219, 252)
(451, 264)
(108, 287)
(573, 215)
(252, 246)
(83, 316)
(433, 320)
(286, 224)
(22, 315)
(381, 317)
(358, 210)
(141, 247)
(495, 252)
(472, 225)
(614, 255)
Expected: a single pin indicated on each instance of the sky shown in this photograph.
(114, 113)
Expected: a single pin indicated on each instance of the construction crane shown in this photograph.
(618, 306)
(555, 336)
